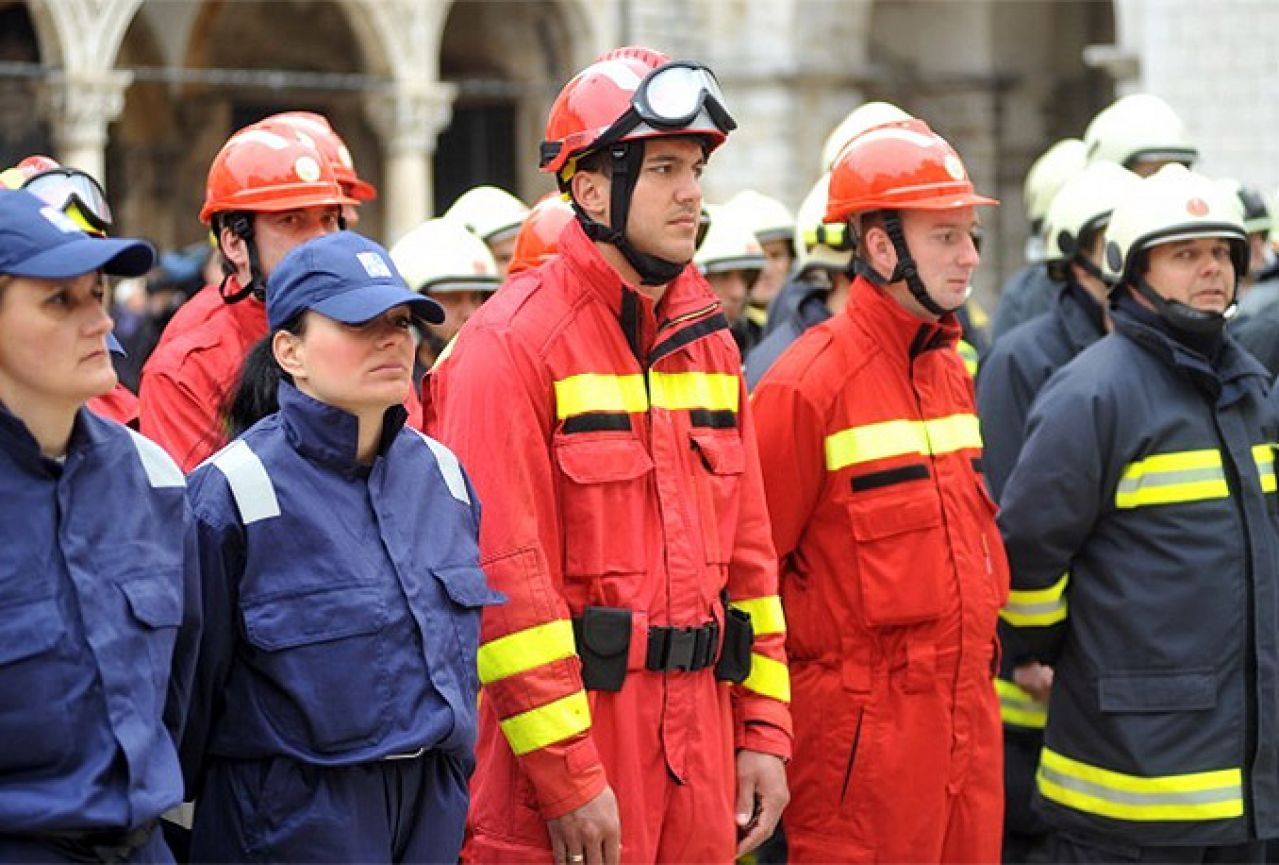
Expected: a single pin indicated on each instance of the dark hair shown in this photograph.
(254, 396)
(599, 161)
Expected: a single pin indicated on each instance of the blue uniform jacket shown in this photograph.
(1027, 294)
(342, 602)
(1140, 523)
(97, 587)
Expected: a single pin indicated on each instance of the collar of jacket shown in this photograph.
(639, 317)
(328, 435)
(1081, 315)
(1225, 378)
(893, 327)
(18, 442)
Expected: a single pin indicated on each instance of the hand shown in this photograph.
(589, 835)
(1035, 679)
(761, 796)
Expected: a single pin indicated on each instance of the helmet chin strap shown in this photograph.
(626, 161)
(1183, 317)
(904, 270)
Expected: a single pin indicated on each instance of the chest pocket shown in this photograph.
(322, 652)
(33, 682)
(604, 493)
(900, 547)
(155, 602)
(469, 592)
(718, 462)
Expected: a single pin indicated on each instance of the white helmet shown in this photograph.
(768, 217)
(1083, 207)
(1138, 128)
(818, 244)
(1253, 209)
(442, 255)
(730, 244)
(490, 213)
(1047, 174)
(865, 116)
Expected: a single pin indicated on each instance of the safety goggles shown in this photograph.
(671, 97)
(62, 187)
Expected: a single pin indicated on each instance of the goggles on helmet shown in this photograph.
(62, 187)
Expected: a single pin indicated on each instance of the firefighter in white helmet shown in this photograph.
(731, 259)
(1142, 133)
(494, 216)
(774, 227)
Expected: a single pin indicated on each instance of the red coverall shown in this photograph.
(118, 404)
(892, 574)
(611, 445)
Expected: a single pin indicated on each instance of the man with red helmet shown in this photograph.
(598, 405)
(269, 189)
(337, 154)
(892, 571)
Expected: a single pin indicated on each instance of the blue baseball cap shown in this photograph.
(344, 276)
(39, 241)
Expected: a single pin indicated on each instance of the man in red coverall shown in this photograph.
(892, 571)
(597, 403)
(270, 188)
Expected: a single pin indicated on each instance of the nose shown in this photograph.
(969, 256)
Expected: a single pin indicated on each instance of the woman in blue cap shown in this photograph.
(334, 709)
(99, 610)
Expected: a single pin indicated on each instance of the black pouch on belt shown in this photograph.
(603, 636)
(735, 658)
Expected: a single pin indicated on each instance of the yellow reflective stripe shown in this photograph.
(1194, 796)
(525, 650)
(546, 725)
(716, 391)
(1264, 457)
(1037, 608)
(1172, 478)
(1018, 708)
(766, 614)
(970, 356)
(589, 392)
(769, 678)
(893, 438)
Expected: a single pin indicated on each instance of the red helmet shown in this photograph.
(539, 236)
(330, 144)
(269, 167)
(899, 166)
(630, 94)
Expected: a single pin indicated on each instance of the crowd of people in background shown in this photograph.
(633, 527)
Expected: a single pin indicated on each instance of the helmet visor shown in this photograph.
(671, 96)
(62, 187)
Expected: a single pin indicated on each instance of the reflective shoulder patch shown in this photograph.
(449, 467)
(250, 484)
(161, 470)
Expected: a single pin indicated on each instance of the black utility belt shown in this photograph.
(97, 845)
(603, 638)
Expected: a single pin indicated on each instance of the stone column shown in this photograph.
(79, 106)
(409, 119)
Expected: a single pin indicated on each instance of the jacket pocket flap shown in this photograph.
(886, 517)
(467, 585)
(29, 629)
(1157, 692)
(722, 454)
(283, 622)
(596, 461)
(155, 600)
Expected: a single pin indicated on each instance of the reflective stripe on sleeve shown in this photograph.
(546, 725)
(1037, 608)
(766, 614)
(1212, 795)
(768, 678)
(1172, 478)
(525, 650)
(160, 468)
(970, 357)
(449, 467)
(1264, 457)
(1018, 708)
(250, 484)
(894, 438)
(695, 390)
(592, 392)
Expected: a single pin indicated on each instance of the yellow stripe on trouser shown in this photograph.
(877, 441)
(591, 392)
(1172, 478)
(1037, 608)
(769, 678)
(766, 614)
(1018, 708)
(1212, 795)
(546, 725)
(1264, 457)
(521, 651)
(685, 390)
